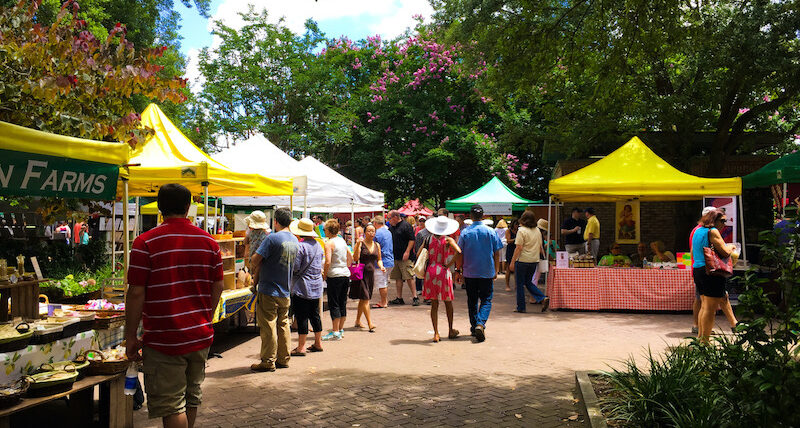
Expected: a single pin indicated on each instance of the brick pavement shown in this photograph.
(521, 376)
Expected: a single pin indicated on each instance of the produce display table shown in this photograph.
(19, 363)
(116, 408)
(231, 302)
(595, 289)
(24, 299)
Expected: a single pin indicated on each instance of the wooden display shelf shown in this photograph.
(116, 408)
(24, 299)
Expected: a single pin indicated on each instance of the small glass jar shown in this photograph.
(21, 265)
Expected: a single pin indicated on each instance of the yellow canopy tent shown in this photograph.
(168, 156)
(152, 209)
(634, 172)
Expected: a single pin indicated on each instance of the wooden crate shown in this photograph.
(113, 290)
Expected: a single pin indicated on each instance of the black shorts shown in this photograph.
(708, 285)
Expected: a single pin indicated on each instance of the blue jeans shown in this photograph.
(524, 279)
(479, 300)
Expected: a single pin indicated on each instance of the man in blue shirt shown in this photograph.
(384, 238)
(272, 264)
(480, 254)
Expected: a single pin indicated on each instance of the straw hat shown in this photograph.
(543, 224)
(303, 227)
(257, 220)
(441, 225)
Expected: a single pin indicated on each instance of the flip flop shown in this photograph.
(296, 353)
(453, 334)
(372, 329)
(377, 306)
(313, 348)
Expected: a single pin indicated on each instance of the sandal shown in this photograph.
(372, 329)
(313, 348)
(377, 306)
(296, 353)
(453, 334)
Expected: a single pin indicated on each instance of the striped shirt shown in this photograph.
(176, 263)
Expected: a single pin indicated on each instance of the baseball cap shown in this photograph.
(476, 210)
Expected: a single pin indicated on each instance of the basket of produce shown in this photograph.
(10, 394)
(52, 382)
(85, 321)
(108, 362)
(15, 337)
(66, 366)
(69, 324)
(104, 321)
(44, 332)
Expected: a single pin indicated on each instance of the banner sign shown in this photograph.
(496, 209)
(31, 174)
(728, 205)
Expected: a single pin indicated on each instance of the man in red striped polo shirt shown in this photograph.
(175, 282)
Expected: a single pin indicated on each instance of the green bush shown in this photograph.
(749, 379)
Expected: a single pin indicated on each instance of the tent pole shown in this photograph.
(353, 222)
(216, 216)
(741, 221)
(291, 204)
(136, 218)
(125, 230)
(547, 247)
(114, 236)
(223, 220)
(205, 206)
(784, 200)
(305, 207)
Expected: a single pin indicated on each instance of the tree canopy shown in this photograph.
(597, 70)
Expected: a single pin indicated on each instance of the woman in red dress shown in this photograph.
(438, 283)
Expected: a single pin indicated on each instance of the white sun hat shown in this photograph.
(441, 225)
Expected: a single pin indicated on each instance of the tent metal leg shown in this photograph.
(547, 248)
(205, 204)
(353, 222)
(126, 238)
(741, 221)
(114, 236)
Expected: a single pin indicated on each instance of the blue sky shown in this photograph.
(351, 18)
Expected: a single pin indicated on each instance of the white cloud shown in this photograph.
(196, 80)
(389, 18)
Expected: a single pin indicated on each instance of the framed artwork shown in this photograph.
(626, 224)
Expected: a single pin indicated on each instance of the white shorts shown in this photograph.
(381, 278)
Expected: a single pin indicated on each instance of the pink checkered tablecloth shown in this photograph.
(610, 288)
(573, 289)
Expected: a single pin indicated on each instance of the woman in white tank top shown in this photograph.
(337, 275)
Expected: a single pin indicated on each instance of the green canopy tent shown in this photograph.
(494, 196)
(780, 171)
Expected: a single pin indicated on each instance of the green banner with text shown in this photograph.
(31, 174)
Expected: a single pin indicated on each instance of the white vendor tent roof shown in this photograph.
(326, 190)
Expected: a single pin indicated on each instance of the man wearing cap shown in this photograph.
(480, 254)
(592, 233)
(384, 238)
(272, 264)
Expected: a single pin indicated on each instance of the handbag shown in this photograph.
(716, 265)
(421, 263)
(356, 272)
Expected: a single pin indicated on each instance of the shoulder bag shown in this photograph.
(421, 263)
(716, 265)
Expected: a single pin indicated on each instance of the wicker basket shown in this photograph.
(20, 387)
(102, 367)
(105, 323)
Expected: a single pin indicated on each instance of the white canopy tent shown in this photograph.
(318, 188)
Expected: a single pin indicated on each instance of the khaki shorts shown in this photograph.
(172, 382)
(402, 270)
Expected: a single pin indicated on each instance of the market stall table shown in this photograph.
(116, 408)
(230, 302)
(16, 364)
(595, 289)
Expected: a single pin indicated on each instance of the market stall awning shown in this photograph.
(494, 196)
(779, 171)
(257, 154)
(634, 172)
(152, 209)
(168, 156)
(414, 208)
(36, 163)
